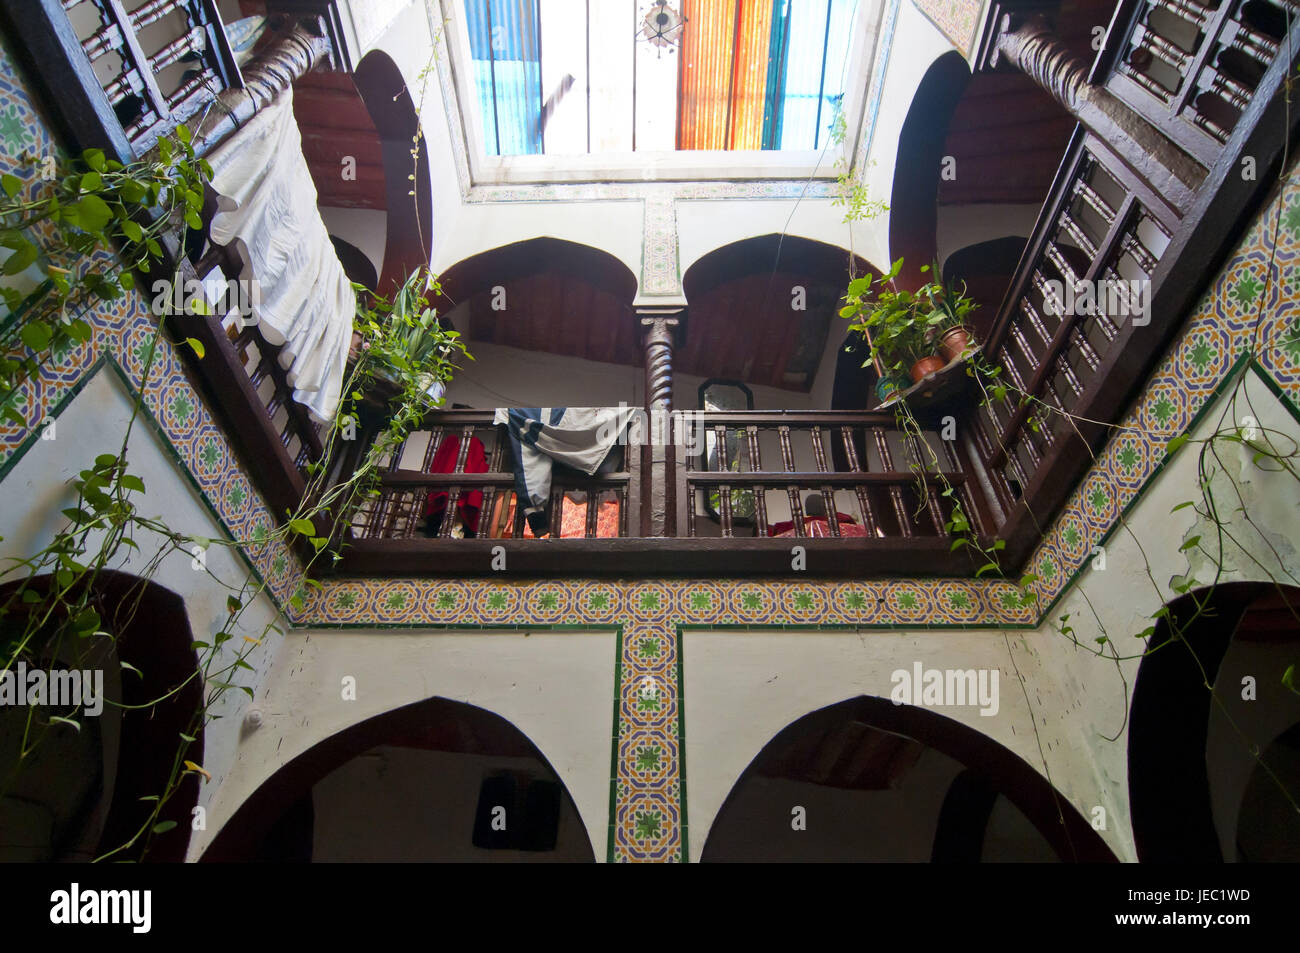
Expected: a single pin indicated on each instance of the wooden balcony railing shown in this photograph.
(881, 514)
(605, 505)
(1211, 78)
(121, 79)
(1192, 68)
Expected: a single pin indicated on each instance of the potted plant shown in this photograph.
(895, 322)
(405, 349)
(947, 321)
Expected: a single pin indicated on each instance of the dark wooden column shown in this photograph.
(290, 57)
(1029, 44)
(658, 480)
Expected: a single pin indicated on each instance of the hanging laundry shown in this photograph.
(470, 501)
(578, 437)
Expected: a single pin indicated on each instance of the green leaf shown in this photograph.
(183, 132)
(1173, 445)
(197, 346)
(190, 738)
(131, 482)
(304, 527)
(957, 544)
(1190, 544)
(987, 567)
(94, 159)
(24, 257)
(233, 605)
(1288, 678)
(93, 213)
(132, 230)
(87, 621)
(92, 182)
(65, 721)
(1147, 632)
(1182, 506)
(36, 335)
(163, 827)
(130, 668)
(11, 184)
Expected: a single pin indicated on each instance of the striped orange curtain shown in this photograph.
(722, 74)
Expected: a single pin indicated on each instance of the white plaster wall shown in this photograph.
(742, 688)
(961, 225)
(38, 488)
(555, 687)
(917, 44)
(1123, 596)
(510, 376)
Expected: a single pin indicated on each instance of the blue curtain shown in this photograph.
(506, 46)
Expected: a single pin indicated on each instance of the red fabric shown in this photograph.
(444, 461)
(817, 526)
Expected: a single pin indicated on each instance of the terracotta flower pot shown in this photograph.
(927, 365)
(954, 342)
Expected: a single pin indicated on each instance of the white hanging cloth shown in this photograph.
(266, 210)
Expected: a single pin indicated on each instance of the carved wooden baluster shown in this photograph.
(1075, 230)
(760, 492)
(724, 491)
(557, 511)
(1080, 342)
(431, 451)
(828, 495)
(490, 491)
(932, 502)
(1197, 14)
(1083, 190)
(593, 507)
(693, 431)
(791, 490)
(895, 490)
(453, 492)
(968, 506)
(865, 509)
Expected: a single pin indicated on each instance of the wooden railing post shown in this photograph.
(657, 456)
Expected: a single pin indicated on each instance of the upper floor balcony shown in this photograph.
(1148, 194)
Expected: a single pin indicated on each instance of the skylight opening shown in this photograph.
(580, 77)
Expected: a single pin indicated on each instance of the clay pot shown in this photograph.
(887, 387)
(927, 365)
(954, 342)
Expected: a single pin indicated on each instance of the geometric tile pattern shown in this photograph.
(958, 20)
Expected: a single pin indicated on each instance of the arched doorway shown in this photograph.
(1213, 775)
(436, 780)
(86, 791)
(867, 780)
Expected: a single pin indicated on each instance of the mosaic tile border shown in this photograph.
(958, 20)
